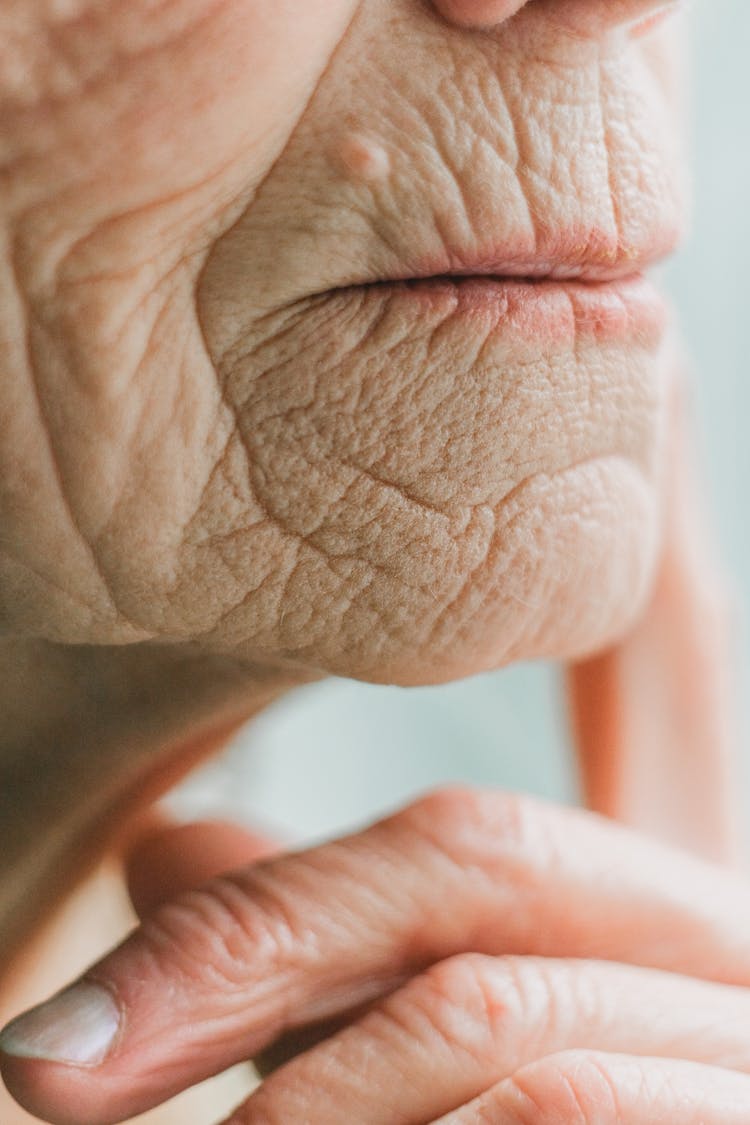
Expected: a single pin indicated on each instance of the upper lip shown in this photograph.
(566, 256)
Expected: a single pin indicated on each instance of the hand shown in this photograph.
(559, 890)
(486, 933)
(129, 192)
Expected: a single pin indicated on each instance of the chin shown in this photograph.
(566, 574)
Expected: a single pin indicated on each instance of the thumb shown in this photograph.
(162, 858)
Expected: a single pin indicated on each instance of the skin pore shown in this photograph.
(255, 430)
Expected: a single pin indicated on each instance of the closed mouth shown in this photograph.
(522, 277)
(541, 307)
(590, 256)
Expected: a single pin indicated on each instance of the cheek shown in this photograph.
(451, 489)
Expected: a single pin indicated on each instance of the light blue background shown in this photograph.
(337, 753)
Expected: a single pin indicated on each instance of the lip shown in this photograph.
(556, 313)
(592, 255)
(580, 282)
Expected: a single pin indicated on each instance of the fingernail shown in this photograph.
(77, 1026)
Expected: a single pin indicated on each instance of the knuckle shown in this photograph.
(477, 1005)
(448, 805)
(574, 1086)
(285, 1096)
(458, 981)
(496, 831)
(223, 935)
(456, 1003)
(263, 1109)
(255, 1113)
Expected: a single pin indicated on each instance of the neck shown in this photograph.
(91, 735)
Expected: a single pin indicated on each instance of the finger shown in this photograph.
(655, 716)
(218, 974)
(594, 1088)
(294, 1043)
(166, 858)
(473, 1021)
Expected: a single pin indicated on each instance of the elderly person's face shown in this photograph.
(328, 349)
(339, 353)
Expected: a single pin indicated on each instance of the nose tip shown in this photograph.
(582, 17)
(478, 13)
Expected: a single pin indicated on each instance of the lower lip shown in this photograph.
(557, 312)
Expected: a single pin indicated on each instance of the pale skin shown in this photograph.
(233, 461)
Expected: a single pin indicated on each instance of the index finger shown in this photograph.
(216, 975)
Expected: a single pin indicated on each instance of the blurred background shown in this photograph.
(336, 754)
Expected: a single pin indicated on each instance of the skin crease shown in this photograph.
(239, 547)
(151, 466)
(224, 469)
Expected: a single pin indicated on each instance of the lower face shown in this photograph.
(421, 479)
(402, 420)
(462, 472)
(449, 473)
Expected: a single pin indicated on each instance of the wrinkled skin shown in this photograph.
(242, 474)
(210, 446)
(231, 460)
